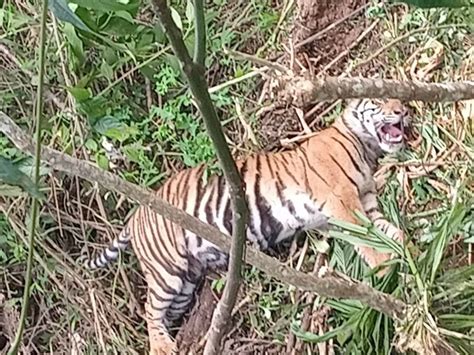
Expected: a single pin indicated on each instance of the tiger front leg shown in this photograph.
(371, 209)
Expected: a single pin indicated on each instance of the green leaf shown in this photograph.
(438, 3)
(111, 127)
(457, 322)
(176, 18)
(314, 338)
(63, 12)
(80, 94)
(12, 175)
(107, 5)
(74, 41)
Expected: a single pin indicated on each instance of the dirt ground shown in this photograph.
(337, 35)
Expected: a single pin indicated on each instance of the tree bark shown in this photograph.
(302, 91)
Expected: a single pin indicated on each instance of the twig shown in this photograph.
(36, 177)
(133, 70)
(234, 81)
(327, 286)
(303, 91)
(256, 60)
(199, 33)
(194, 73)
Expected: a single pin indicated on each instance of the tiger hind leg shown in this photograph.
(182, 301)
(157, 307)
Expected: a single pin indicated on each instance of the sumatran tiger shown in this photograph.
(328, 175)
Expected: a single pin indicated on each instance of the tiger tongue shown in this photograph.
(392, 130)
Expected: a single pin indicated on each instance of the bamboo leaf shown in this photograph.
(63, 12)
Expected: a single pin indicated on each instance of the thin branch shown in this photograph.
(194, 73)
(36, 178)
(327, 286)
(199, 33)
(303, 91)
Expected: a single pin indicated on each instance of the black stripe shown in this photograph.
(309, 209)
(186, 187)
(228, 223)
(199, 190)
(285, 168)
(156, 221)
(158, 279)
(354, 163)
(270, 227)
(371, 210)
(344, 172)
(322, 206)
(220, 193)
(198, 241)
(314, 170)
(155, 249)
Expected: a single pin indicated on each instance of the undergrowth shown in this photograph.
(116, 97)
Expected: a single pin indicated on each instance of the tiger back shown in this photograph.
(330, 175)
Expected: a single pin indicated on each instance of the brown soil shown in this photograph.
(312, 17)
(195, 327)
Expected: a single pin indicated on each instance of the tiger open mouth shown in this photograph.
(391, 133)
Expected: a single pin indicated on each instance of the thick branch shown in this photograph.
(303, 91)
(327, 286)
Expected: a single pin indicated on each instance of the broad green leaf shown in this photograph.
(438, 3)
(63, 12)
(10, 191)
(118, 26)
(80, 94)
(75, 42)
(12, 175)
(106, 70)
(111, 127)
(176, 18)
(107, 5)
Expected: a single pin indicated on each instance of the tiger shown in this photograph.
(328, 175)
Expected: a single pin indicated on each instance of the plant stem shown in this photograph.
(194, 73)
(36, 177)
(199, 33)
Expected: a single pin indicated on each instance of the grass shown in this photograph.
(126, 108)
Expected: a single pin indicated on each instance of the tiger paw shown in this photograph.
(162, 344)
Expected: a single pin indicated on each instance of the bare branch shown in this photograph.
(303, 91)
(331, 286)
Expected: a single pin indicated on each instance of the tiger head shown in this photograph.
(381, 121)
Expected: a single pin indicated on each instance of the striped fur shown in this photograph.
(328, 175)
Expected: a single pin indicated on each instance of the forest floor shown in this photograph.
(122, 103)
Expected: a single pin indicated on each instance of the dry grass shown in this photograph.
(80, 313)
